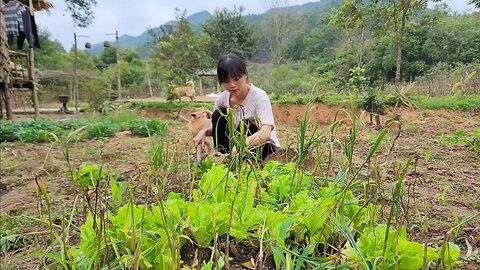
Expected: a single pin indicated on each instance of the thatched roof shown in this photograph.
(38, 4)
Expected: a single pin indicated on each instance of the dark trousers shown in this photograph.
(10, 39)
(221, 135)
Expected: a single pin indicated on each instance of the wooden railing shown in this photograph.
(21, 71)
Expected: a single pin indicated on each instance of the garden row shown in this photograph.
(279, 211)
(45, 130)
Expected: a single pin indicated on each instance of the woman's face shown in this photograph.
(235, 85)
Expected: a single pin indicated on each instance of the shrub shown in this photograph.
(89, 175)
(106, 107)
(73, 124)
(9, 131)
(372, 101)
(101, 130)
(146, 127)
(463, 137)
(38, 131)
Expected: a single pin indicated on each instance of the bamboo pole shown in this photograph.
(147, 74)
(4, 88)
(119, 81)
(8, 103)
(32, 72)
(75, 80)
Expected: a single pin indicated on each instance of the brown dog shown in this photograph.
(200, 120)
(186, 91)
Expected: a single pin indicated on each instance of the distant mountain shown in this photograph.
(197, 19)
(304, 8)
(127, 41)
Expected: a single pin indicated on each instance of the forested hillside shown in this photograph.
(303, 49)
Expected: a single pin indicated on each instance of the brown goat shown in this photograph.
(186, 91)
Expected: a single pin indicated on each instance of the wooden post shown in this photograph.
(75, 80)
(32, 71)
(200, 86)
(5, 68)
(117, 42)
(8, 104)
(75, 73)
(34, 87)
(147, 74)
(119, 81)
(1, 100)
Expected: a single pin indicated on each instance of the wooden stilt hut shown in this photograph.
(13, 75)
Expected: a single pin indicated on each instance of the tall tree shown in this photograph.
(395, 14)
(180, 53)
(354, 19)
(279, 28)
(227, 31)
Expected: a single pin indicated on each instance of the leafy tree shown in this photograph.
(84, 61)
(455, 39)
(394, 13)
(81, 11)
(357, 39)
(51, 54)
(423, 47)
(321, 40)
(133, 74)
(131, 67)
(131, 56)
(106, 58)
(227, 31)
(417, 56)
(403, 9)
(354, 18)
(476, 3)
(179, 54)
(416, 60)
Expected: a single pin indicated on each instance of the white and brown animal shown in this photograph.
(200, 120)
(186, 91)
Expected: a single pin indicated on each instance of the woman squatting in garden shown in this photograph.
(250, 107)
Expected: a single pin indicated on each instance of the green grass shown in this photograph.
(330, 98)
(338, 99)
(98, 126)
(168, 106)
(456, 102)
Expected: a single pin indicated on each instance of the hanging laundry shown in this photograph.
(36, 39)
(13, 19)
(27, 27)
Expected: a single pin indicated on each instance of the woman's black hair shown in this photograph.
(230, 66)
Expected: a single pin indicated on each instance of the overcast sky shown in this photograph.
(133, 17)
